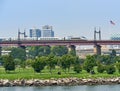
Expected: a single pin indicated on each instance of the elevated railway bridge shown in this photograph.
(69, 43)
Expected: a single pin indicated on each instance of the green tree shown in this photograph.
(1, 60)
(9, 63)
(72, 52)
(38, 51)
(106, 59)
(44, 51)
(18, 53)
(51, 62)
(100, 67)
(39, 64)
(23, 64)
(110, 69)
(77, 64)
(32, 52)
(67, 61)
(17, 62)
(117, 58)
(89, 63)
(59, 50)
(59, 62)
(113, 54)
(29, 62)
(118, 66)
(77, 68)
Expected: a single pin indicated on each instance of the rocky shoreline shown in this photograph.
(59, 82)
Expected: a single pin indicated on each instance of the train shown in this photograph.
(44, 38)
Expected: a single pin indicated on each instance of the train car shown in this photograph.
(76, 38)
(48, 38)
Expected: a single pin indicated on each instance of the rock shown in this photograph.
(60, 82)
(6, 83)
(29, 82)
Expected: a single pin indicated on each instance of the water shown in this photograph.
(65, 88)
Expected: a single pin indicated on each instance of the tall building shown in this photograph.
(35, 33)
(47, 31)
(115, 37)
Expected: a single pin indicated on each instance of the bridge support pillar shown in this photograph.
(72, 50)
(97, 49)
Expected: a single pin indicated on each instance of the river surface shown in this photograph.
(65, 88)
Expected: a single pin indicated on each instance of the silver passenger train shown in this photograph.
(44, 38)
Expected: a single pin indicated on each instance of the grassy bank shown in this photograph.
(29, 73)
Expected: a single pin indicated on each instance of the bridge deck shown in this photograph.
(58, 42)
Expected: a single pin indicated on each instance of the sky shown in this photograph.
(68, 17)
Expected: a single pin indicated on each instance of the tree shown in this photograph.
(113, 54)
(39, 64)
(118, 66)
(1, 60)
(18, 53)
(117, 58)
(77, 64)
(100, 67)
(23, 64)
(17, 62)
(9, 63)
(29, 62)
(59, 50)
(110, 69)
(77, 68)
(51, 62)
(43, 51)
(89, 63)
(38, 51)
(67, 61)
(58, 59)
(106, 59)
(32, 52)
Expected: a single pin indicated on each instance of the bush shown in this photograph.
(100, 68)
(9, 63)
(89, 63)
(110, 69)
(77, 68)
(118, 66)
(38, 65)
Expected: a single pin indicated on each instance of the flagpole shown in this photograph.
(112, 24)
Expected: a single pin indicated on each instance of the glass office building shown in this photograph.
(35, 33)
(47, 31)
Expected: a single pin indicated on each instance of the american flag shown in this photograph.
(111, 22)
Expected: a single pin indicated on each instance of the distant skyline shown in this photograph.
(68, 17)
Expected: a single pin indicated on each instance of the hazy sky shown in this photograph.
(68, 17)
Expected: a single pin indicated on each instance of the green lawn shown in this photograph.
(28, 73)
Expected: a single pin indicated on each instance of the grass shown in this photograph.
(28, 73)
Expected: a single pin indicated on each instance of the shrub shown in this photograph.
(89, 63)
(77, 68)
(9, 63)
(38, 64)
(100, 68)
(110, 69)
(118, 66)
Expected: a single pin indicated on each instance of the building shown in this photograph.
(35, 33)
(47, 31)
(115, 37)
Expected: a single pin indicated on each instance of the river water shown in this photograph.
(65, 88)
